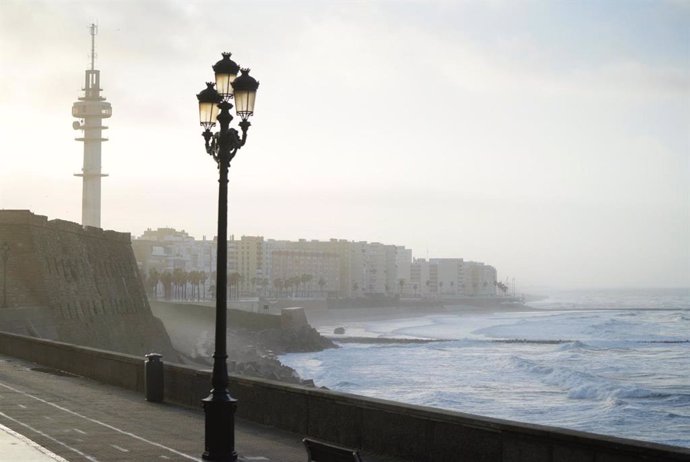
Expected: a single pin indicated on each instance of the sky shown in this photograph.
(550, 139)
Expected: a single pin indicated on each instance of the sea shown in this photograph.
(612, 362)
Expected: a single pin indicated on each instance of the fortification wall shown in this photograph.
(75, 284)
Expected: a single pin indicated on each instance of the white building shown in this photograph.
(335, 267)
(450, 276)
(480, 279)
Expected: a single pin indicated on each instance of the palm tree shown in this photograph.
(278, 283)
(321, 283)
(294, 281)
(305, 279)
(194, 278)
(185, 280)
(154, 278)
(202, 282)
(167, 280)
(234, 280)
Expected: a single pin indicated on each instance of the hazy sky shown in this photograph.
(549, 139)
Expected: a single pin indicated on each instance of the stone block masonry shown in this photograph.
(76, 284)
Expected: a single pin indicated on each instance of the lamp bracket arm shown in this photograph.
(244, 125)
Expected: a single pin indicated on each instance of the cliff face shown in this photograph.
(76, 285)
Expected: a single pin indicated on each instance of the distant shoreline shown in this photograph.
(331, 318)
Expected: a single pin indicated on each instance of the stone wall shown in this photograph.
(413, 433)
(75, 284)
(207, 314)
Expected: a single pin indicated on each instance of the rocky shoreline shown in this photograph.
(255, 353)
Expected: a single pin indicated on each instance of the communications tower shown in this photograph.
(91, 109)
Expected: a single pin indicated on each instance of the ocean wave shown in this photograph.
(583, 385)
(612, 326)
(678, 316)
(345, 385)
(574, 345)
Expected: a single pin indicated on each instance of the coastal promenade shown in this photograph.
(82, 418)
(50, 415)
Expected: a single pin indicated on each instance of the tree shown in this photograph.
(178, 279)
(305, 279)
(401, 283)
(194, 278)
(167, 280)
(233, 281)
(203, 277)
(279, 284)
(154, 279)
(321, 283)
(291, 282)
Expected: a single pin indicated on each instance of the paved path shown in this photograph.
(78, 419)
(16, 447)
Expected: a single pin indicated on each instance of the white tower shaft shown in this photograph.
(91, 109)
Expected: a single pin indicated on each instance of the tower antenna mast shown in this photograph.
(91, 109)
(94, 31)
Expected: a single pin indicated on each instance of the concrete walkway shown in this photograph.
(47, 415)
(16, 447)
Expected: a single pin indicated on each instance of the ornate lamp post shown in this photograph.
(5, 256)
(214, 104)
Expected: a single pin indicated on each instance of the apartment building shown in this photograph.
(480, 279)
(249, 254)
(334, 267)
(303, 272)
(451, 277)
(166, 249)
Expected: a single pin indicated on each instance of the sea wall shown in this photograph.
(75, 284)
(413, 433)
(207, 313)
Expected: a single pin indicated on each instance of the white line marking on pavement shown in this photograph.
(153, 443)
(119, 448)
(255, 458)
(165, 457)
(47, 417)
(21, 406)
(79, 431)
(42, 449)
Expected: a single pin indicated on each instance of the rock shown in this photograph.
(339, 330)
(253, 354)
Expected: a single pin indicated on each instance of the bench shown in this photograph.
(320, 451)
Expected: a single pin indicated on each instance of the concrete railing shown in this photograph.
(414, 433)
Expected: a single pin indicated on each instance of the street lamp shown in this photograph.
(5, 256)
(214, 105)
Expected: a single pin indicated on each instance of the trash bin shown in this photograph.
(153, 378)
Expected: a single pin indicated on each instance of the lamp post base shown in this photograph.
(219, 410)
